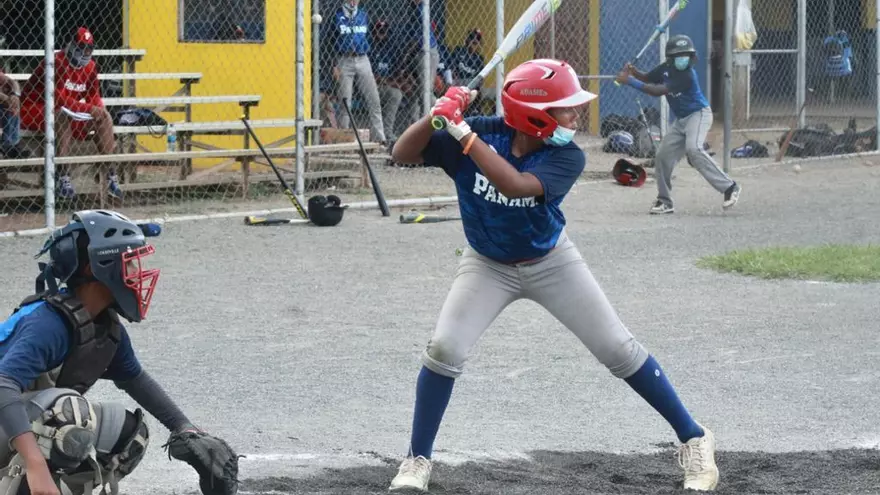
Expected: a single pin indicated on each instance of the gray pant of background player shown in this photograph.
(686, 137)
(360, 67)
(561, 282)
(416, 107)
(390, 98)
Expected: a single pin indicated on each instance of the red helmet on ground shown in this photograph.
(536, 86)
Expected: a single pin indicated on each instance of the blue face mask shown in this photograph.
(682, 63)
(561, 136)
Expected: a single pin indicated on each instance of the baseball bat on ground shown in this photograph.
(794, 126)
(292, 197)
(526, 27)
(376, 189)
(416, 217)
(678, 7)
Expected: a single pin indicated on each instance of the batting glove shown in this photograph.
(451, 107)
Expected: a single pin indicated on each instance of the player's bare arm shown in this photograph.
(628, 77)
(507, 179)
(409, 146)
(636, 73)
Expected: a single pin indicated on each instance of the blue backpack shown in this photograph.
(838, 55)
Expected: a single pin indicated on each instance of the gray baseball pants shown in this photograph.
(561, 282)
(360, 67)
(391, 98)
(686, 137)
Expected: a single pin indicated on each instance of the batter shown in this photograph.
(677, 79)
(512, 174)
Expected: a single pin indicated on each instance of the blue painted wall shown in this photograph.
(624, 28)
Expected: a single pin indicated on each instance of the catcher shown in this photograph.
(60, 341)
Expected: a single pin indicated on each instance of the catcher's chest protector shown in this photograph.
(92, 345)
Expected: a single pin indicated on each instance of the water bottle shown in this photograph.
(171, 137)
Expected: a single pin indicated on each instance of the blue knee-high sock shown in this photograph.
(651, 383)
(432, 396)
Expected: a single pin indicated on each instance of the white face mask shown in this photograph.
(561, 136)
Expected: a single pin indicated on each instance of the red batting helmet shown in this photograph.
(535, 86)
(627, 173)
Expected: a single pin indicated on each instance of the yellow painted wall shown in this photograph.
(267, 69)
(869, 14)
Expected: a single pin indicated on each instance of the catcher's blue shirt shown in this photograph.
(36, 340)
(501, 228)
(685, 96)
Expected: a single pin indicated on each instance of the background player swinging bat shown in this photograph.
(526, 27)
(678, 7)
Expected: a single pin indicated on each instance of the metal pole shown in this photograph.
(426, 56)
(802, 60)
(726, 80)
(300, 98)
(316, 59)
(553, 35)
(877, 55)
(499, 70)
(49, 159)
(663, 9)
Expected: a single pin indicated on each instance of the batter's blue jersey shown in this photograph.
(36, 340)
(685, 96)
(501, 228)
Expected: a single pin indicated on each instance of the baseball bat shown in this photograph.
(376, 189)
(287, 191)
(253, 220)
(679, 5)
(526, 27)
(415, 217)
(794, 125)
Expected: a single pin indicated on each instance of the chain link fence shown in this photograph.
(175, 76)
(393, 78)
(808, 66)
(598, 38)
(148, 99)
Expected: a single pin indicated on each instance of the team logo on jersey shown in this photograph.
(485, 189)
(70, 86)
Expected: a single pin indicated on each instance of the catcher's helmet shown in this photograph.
(325, 211)
(114, 247)
(627, 173)
(535, 86)
(680, 44)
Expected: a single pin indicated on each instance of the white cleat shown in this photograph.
(697, 457)
(414, 473)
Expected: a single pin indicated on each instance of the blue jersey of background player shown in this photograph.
(61, 340)
(677, 80)
(512, 175)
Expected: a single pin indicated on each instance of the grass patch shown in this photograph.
(833, 262)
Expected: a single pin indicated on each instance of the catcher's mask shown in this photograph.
(114, 247)
(325, 211)
(627, 173)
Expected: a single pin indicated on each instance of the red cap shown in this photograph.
(84, 36)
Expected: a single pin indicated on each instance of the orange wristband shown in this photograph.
(467, 147)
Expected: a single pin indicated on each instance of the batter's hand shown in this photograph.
(451, 108)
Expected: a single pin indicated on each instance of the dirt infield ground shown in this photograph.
(300, 346)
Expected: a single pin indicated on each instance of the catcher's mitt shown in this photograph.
(211, 457)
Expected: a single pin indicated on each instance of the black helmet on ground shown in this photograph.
(325, 211)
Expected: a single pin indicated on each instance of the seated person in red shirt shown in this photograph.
(77, 91)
